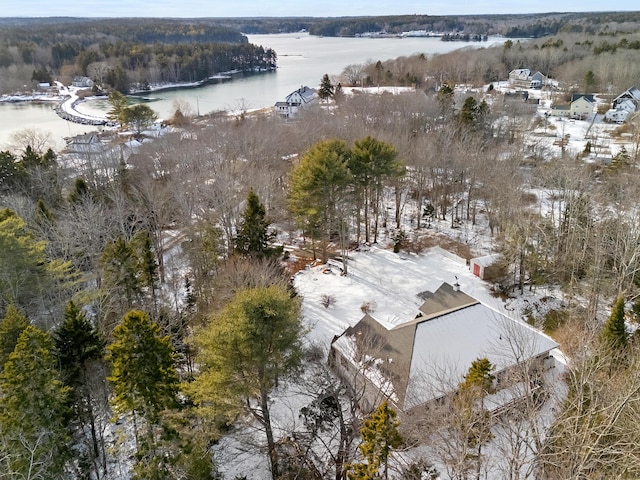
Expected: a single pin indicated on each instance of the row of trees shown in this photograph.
(332, 183)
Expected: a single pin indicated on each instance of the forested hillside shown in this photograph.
(123, 53)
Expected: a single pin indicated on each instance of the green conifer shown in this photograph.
(614, 332)
(11, 326)
(33, 411)
(380, 436)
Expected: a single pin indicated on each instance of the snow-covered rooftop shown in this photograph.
(445, 347)
(438, 351)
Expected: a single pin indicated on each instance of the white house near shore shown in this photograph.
(296, 100)
(421, 361)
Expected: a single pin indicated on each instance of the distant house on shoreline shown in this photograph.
(296, 100)
(82, 82)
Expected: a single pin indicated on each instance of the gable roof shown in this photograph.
(304, 94)
(632, 93)
(427, 357)
(523, 73)
(445, 347)
(586, 96)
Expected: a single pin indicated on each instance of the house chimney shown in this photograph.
(456, 286)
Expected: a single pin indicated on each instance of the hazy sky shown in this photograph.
(280, 8)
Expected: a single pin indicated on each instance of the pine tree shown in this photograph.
(319, 188)
(446, 100)
(380, 436)
(253, 237)
(26, 275)
(471, 420)
(79, 350)
(120, 271)
(147, 265)
(80, 191)
(137, 117)
(468, 111)
(244, 352)
(12, 174)
(118, 104)
(11, 326)
(326, 88)
(33, 409)
(143, 374)
(372, 162)
(614, 332)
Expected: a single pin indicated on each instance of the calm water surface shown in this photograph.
(302, 60)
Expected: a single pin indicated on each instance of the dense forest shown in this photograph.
(124, 53)
(511, 25)
(148, 313)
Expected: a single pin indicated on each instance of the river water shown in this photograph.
(302, 60)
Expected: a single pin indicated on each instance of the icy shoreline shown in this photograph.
(67, 101)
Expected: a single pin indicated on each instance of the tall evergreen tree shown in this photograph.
(147, 266)
(253, 237)
(326, 88)
(118, 104)
(143, 372)
(34, 443)
(471, 420)
(79, 350)
(380, 436)
(446, 99)
(372, 162)
(80, 191)
(27, 277)
(120, 272)
(244, 352)
(614, 332)
(11, 326)
(138, 117)
(319, 188)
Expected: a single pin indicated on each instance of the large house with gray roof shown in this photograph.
(423, 359)
(296, 100)
(525, 78)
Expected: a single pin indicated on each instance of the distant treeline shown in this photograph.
(588, 23)
(512, 25)
(396, 24)
(121, 53)
(135, 30)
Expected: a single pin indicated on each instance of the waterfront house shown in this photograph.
(299, 99)
(82, 82)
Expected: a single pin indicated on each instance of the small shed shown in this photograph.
(485, 267)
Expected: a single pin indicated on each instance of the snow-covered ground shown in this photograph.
(388, 281)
